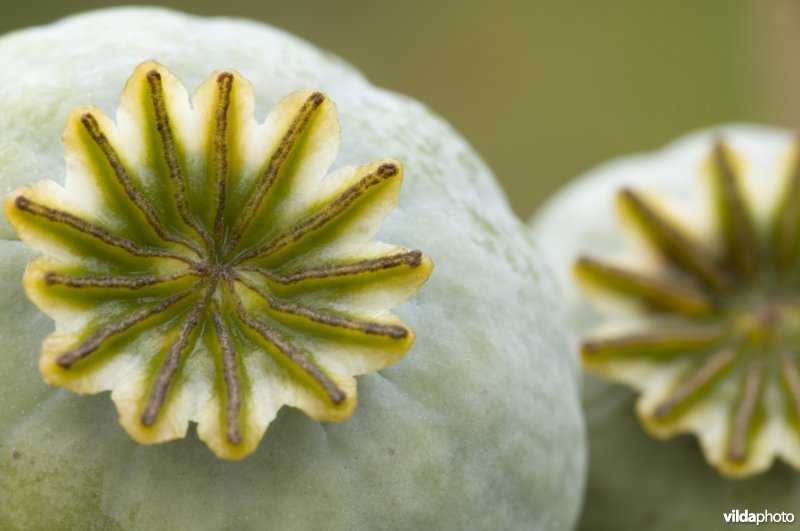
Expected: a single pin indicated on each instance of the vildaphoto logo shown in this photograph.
(737, 516)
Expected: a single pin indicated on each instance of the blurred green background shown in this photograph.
(544, 89)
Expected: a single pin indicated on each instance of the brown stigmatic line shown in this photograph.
(677, 341)
(791, 377)
(52, 278)
(90, 345)
(170, 152)
(412, 259)
(737, 226)
(91, 229)
(124, 179)
(224, 86)
(327, 318)
(230, 375)
(743, 419)
(654, 291)
(788, 218)
(169, 368)
(276, 162)
(673, 243)
(292, 353)
(319, 219)
(705, 374)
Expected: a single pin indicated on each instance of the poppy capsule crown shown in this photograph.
(716, 349)
(200, 267)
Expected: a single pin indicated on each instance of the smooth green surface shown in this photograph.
(478, 427)
(638, 482)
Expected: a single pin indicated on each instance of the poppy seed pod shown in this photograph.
(690, 255)
(246, 224)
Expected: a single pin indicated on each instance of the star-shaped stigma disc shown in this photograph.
(202, 267)
(715, 351)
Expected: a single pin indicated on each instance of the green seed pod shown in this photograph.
(700, 313)
(202, 263)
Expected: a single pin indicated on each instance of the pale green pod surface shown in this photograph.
(679, 269)
(235, 356)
